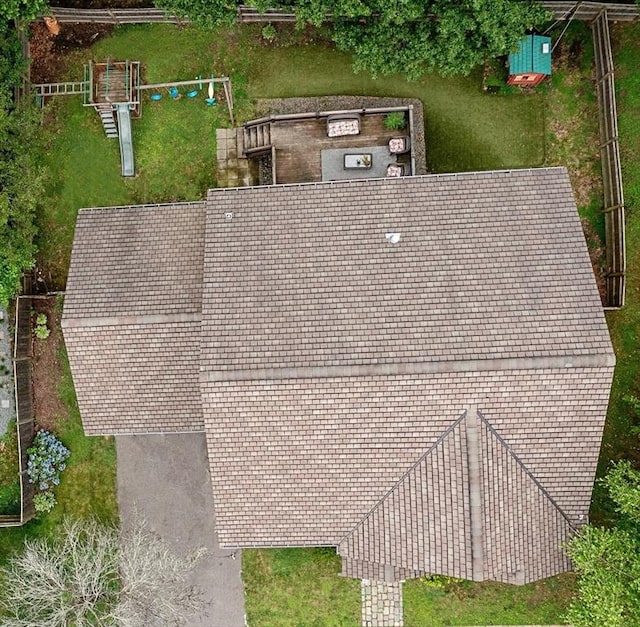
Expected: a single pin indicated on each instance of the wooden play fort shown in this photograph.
(114, 89)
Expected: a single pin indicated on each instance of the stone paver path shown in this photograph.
(381, 604)
(7, 398)
(233, 168)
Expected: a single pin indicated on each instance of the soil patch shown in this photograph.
(48, 51)
(47, 374)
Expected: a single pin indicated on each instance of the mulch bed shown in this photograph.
(47, 369)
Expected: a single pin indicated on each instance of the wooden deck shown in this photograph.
(299, 143)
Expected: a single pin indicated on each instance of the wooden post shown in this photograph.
(227, 92)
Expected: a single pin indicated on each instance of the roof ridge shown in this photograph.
(593, 360)
(108, 321)
(442, 437)
(526, 470)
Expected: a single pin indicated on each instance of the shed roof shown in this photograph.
(533, 56)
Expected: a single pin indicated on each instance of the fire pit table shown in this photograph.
(353, 161)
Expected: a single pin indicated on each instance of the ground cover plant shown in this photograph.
(9, 466)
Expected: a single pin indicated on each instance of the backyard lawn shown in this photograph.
(174, 146)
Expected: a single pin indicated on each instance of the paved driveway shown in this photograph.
(166, 478)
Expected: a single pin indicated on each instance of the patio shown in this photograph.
(303, 151)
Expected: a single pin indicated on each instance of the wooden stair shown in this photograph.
(256, 138)
(108, 121)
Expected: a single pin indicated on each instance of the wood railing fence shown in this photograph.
(610, 161)
(22, 355)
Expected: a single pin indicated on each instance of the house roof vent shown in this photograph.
(393, 237)
(228, 216)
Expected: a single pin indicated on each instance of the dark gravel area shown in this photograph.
(335, 103)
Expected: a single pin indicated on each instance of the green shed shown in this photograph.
(532, 62)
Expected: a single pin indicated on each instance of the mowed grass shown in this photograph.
(621, 439)
(298, 587)
(87, 485)
(174, 141)
(488, 603)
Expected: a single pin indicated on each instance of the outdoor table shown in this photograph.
(352, 161)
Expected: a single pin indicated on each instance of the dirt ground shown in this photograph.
(47, 368)
(48, 51)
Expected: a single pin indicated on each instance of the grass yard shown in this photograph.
(9, 469)
(302, 587)
(621, 440)
(436, 602)
(174, 145)
(88, 484)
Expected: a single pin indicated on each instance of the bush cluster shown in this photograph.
(47, 456)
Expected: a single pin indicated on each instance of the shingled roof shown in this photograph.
(415, 371)
(132, 317)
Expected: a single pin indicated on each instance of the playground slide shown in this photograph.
(126, 142)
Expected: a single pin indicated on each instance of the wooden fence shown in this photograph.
(579, 10)
(610, 160)
(22, 353)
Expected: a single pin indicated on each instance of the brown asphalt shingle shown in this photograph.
(131, 317)
(334, 360)
(330, 368)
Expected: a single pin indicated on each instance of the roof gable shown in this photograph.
(468, 508)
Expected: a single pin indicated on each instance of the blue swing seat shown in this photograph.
(156, 97)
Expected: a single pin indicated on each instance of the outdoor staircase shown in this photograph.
(108, 121)
(256, 138)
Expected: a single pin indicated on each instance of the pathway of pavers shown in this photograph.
(7, 398)
(381, 604)
(233, 168)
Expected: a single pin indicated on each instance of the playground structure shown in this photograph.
(113, 89)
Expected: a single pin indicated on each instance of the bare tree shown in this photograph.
(98, 575)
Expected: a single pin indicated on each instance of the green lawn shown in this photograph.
(489, 603)
(623, 422)
(9, 469)
(174, 145)
(298, 587)
(88, 484)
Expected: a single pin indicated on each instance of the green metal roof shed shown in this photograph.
(532, 62)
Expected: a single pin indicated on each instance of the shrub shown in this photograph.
(47, 457)
(41, 331)
(269, 32)
(394, 121)
(44, 502)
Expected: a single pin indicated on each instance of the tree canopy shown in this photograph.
(98, 575)
(608, 560)
(400, 36)
(22, 9)
(20, 177)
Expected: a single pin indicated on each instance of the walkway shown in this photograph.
(166, 479)
(381, 604)
(7, 397)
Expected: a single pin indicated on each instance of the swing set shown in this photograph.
(175, 94)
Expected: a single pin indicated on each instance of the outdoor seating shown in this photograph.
(399, 145)
(342, 124)
(398, 169)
